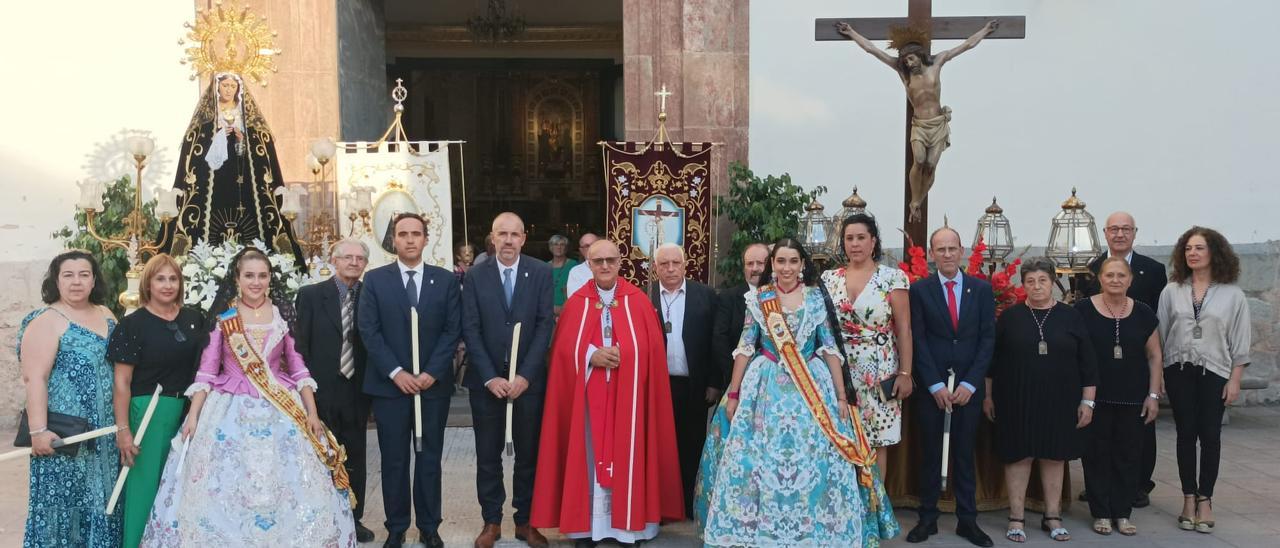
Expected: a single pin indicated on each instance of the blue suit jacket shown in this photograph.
(487, 322)
(937, 345)
(383, 319)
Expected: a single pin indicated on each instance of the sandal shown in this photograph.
(1102, 526)
(1016, 534)
(1187, 523)
(1205, 527)
(1059, 534)
(1126, 527)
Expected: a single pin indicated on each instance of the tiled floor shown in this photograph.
(1247, 503)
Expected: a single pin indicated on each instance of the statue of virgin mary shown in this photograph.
(229, 172)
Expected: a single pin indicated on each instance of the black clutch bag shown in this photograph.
(886, 389)
(62, 425)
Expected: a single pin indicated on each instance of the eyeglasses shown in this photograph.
(177, 333)
(601, 261)
(353, 258)
(1121, 230)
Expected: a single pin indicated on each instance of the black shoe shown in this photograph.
(1143, 500)
(922, 530)
(363, 534)
(584, 543)
(970, 531)
(394, 540)
(1084, 496)
(432, 539)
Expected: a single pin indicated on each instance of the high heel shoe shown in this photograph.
(1202, 526)
(1184, 522)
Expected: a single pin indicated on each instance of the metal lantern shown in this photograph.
(994, 231)
(815, 229)
(1073, 239)
(851, 206)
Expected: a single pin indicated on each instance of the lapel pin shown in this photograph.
(526, 274)
(1141, 272)
(433, 281)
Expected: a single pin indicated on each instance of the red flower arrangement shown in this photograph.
(1005, 291)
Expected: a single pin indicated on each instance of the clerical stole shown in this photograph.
(657, 193)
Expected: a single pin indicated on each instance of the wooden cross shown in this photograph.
(920, 15)
(663, 94)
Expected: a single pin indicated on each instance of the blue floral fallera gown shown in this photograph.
(771, 477)
(68, 495)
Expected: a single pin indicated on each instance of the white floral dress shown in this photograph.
(871, 347)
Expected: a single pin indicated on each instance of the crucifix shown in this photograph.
(929, 134)
(655, 224)
(663, 94)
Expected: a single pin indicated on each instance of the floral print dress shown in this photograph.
(871, 347)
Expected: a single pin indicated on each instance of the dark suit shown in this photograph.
(1149, 279)
(486, 327)
(383, 318)
(689, 393)
(341, 402)
(939, 348)
(731, 314)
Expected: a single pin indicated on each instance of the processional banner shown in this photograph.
(377, 181)
(658, 193)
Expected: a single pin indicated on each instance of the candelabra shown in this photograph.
(319, 231)
(134, 239)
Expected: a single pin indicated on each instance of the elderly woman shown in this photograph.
(561, 264)
(157, 345)
(1040, 393)
(62, 349)
(1204, 323)
(872, 306)
(1123, 333)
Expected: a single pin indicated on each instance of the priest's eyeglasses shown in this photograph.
(601, 261)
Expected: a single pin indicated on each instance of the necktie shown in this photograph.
(951, 304)
(412, 289)
(347, 363)
(508, 285)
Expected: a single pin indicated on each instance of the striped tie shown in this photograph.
(347, 363)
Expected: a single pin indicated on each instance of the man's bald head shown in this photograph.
(1121, 231)
(584, 243)
(508, 237)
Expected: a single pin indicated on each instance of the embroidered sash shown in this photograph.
(857, 450)
(256, 370)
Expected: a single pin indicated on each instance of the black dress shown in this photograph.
(152, 346)
(1122, 381)
(1037, 396)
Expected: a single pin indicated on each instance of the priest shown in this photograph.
(607, 466)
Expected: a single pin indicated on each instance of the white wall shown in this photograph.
(76, 75)
(1166, 108)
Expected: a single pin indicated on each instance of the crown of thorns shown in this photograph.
(900, 37)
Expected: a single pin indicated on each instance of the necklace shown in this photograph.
(1116, 352)
(1044, 346)
(666, 310)
(786, 291)
(607, 316)
(1196, 307)
(252, 307)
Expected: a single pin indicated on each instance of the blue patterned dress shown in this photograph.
(68, 494)
(771, 477)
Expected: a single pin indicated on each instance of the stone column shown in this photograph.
(699, 49)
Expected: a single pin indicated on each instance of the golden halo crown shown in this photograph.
(900, 37)
(230, 39)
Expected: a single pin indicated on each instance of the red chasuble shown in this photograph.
(633, 433)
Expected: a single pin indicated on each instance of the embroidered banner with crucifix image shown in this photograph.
(658, 193)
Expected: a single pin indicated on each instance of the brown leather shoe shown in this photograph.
(489, 535)
(530, 536)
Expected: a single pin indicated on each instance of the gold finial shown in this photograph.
(994, 208)
(1073, 202)
(663, 94)
(399, 94)
(230, 40)
(854, 200)
(814, 206)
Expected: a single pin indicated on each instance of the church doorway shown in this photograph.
(530, 106)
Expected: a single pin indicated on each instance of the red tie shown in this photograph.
(951, 304)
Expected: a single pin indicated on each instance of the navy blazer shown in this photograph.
(383, 318)
(936, 344)
(487, 322)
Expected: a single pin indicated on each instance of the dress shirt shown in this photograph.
(515, 270)
(404, 280)
(959, 289)
(673, 312)
(578, 277)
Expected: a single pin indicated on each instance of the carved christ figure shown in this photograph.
(920, 73)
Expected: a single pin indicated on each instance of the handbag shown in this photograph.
(63, 425)
(886, 389)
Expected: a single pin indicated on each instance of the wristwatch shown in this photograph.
(1087, 403)
(1154, 396)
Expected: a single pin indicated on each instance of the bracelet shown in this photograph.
(1154, 396)
(905, 373)
(1087, 403)
(733, 395)
(39, 431)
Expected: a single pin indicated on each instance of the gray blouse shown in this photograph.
(1224, 323)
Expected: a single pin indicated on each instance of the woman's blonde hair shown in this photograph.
(154, 266)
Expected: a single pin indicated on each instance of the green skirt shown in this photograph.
(144, 479)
